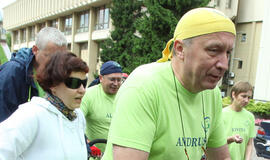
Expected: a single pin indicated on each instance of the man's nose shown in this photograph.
(223, 61)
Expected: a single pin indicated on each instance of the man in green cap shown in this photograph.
(172, 110)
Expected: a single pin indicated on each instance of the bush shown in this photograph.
(257, 108)
(226, 101)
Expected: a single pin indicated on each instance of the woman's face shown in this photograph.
(68, 92)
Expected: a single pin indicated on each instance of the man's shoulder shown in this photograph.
(12, 70)
(149, 73)
(18, 62)
(152, 68)
(92, 91)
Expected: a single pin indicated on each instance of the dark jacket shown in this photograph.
(16, 77)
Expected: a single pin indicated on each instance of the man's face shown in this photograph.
(242, 99)
(42, 54)
(111, 82)
(205, 60)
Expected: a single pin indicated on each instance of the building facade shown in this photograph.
(4, 49)
(85, 23)
(249, 17)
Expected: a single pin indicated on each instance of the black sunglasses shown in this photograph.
(75, 83)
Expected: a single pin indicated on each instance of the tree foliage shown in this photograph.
(8, 39)
(142, 29)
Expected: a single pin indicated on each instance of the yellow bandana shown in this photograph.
(198, 22)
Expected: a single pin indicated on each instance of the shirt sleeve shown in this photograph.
(252, 127)
(11, 91)
(17, 133)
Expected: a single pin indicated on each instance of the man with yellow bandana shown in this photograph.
(172, 110)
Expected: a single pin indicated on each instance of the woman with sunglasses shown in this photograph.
(51, 127)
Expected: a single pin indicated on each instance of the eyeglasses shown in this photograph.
(114, 79)
(75, 83)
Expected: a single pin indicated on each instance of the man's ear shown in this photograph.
(100, 78)
(35, 49)
(179, 49)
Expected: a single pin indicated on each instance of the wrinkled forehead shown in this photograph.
(218, 39)
(114, 75)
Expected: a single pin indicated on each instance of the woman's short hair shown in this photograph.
(241, 87)
(58, 68)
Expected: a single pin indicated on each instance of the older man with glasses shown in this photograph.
(97, 104)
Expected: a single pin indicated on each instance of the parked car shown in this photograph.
(262, 140)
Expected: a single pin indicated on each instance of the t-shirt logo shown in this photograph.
(109, 115)
(206, 124)
(195, 141)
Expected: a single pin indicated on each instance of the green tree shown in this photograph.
(119, 46)
(8, 39)
(142, 29)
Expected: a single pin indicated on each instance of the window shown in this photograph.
(54, 23)
(103, 17)
(69, 46)
(23, 35)
(217, 3)
(228, 3)
(240, 64)
(84, 22)
(32, 33)
(16, 37)
(243, 37)
(2, 33)
(68, 25)
(40, 26)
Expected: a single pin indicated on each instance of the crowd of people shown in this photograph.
(169, 109)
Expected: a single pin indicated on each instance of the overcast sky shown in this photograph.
(4, 3)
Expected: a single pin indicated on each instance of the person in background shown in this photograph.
(17, 76)
(124, 77)
(239, 123)
(51, 127)
(97, 103)
(172, 109)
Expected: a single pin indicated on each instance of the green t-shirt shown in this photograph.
(147, 116)
(241, 123)
(97, 107)
(41, 92)
(3, 57)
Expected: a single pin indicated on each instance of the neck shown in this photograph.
(35, 65)
(235, 107)
(180, 76)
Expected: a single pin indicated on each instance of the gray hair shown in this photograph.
(186, 42)
(50, 34)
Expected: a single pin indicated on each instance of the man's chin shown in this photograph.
(210, 85)
(112, 92)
